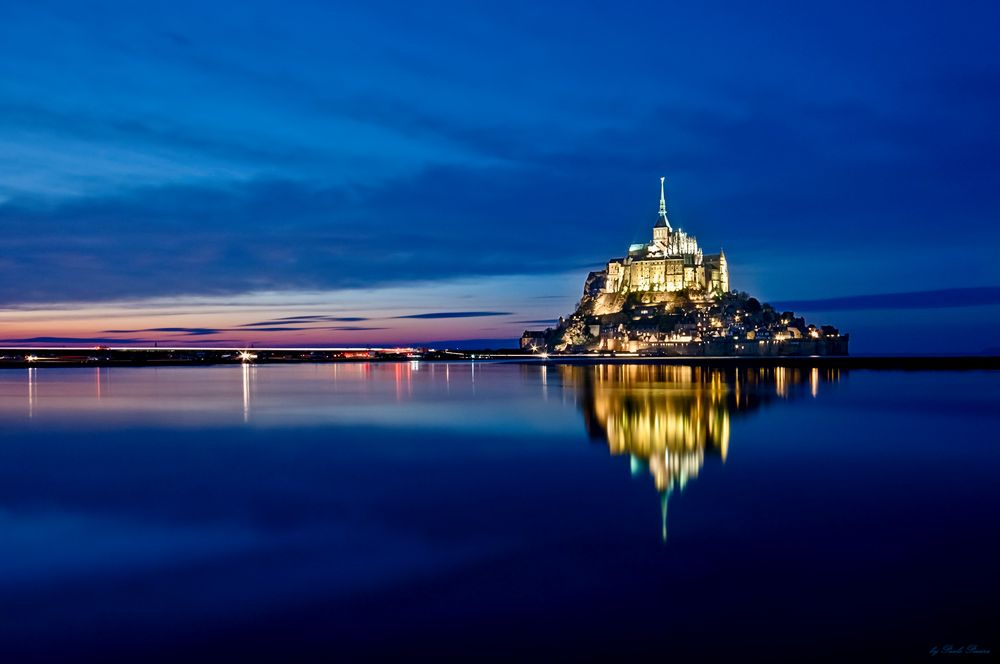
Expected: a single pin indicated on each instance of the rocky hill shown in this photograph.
(682, 321)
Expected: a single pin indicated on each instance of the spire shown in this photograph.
(662, 221)
(664, 497)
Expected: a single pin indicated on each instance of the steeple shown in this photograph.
(664, 497)
(662, 221)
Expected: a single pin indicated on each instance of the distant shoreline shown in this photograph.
(17, 358)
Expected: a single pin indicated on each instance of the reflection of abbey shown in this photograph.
(663, 417)
(668, 418)
(671, 262)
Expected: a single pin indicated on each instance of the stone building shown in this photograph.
(671, 262)
(532, 340)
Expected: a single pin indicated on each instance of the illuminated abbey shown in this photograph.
(666, 297)
(671, 262)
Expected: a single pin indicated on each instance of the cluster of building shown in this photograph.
(708, 329)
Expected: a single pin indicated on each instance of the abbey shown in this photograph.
(671, 262)
(668, 298)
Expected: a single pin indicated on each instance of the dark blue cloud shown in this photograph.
(190, 331)
(274, 235)
(195, 240)
(933, 299)
(349, 328)
(457, 314)
(306, 319)
(283, 328)
(193, 162)
(208, 331)
(77, 340)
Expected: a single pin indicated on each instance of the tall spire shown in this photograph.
(662, 221)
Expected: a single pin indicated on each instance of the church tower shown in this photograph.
(661, 230)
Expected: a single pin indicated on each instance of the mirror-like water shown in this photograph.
(496, 509)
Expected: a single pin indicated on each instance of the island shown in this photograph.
(668, 298)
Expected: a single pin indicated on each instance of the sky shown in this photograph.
(320, 174)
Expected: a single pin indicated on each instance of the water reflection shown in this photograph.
(246, 391)
(32, 390)
(138, 510)
(667, 418)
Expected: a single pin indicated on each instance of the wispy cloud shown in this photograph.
(77, 340)
(930, 299)
(351, 328)
(306, 319)
(191, 240)
(208, 331)
(190, 331)
(457, 314)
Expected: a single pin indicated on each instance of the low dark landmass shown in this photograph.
(684, 323)
(901, 362)
(120, 357)
(104, 357)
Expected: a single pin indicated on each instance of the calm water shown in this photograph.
(496, 510)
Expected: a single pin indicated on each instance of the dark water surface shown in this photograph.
(495, 510)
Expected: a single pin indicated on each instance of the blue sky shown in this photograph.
(234, 164)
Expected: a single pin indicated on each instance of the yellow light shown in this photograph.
(30, 358)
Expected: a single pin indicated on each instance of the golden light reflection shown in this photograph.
(32, 390)
(781, 382)
(668, 418)
(249, 373)
(403, 378)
